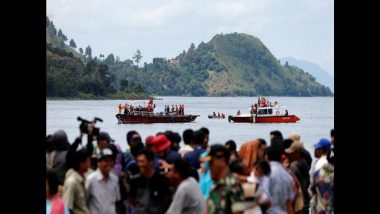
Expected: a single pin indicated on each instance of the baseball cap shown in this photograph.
(105, 136)
(323, 143)
(295, 146)
(104, 153)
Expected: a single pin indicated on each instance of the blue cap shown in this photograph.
(323, 143)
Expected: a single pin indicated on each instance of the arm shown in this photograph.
(289, 206)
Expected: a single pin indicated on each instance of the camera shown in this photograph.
(84, 124)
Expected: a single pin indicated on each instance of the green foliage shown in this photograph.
(72, 44)
(68, 76)
(137, 57)
(88, 53)
(240, 65)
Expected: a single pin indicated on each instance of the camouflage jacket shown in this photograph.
(226, 196)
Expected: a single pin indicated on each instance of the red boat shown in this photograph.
(150, 117)
(267, 114)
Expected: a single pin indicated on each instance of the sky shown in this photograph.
(303, 29)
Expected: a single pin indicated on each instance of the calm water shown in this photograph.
(316, 113)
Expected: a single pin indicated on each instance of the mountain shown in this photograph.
(70, 74)
(235, 64)
(319, 73)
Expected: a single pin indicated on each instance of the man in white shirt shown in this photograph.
(321, 149)
(102, 186)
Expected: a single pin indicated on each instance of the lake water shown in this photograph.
(316, 113)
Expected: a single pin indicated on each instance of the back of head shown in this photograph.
(74, 158)
(218, 151)
(236, 166)
(198, 137)
(187, 136)
(205, 130)
(276, 138)
(274, 153)
(53, 183)
(174, 137)
(262, 141)
(182, 167)
(264, 166)
(231, 145)
(60, 142)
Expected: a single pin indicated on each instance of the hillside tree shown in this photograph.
(137, 57)
(72, 44)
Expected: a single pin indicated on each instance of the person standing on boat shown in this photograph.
(120, 108)
(286, 112)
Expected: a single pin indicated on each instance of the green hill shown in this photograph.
(228, 65)
(234, 64)
(70, 74)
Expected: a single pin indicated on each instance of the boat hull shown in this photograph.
(122, 118)
(268, 119)
(212, 117)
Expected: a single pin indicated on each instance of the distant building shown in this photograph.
(173, 61)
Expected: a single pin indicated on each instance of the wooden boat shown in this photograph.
(150, 117)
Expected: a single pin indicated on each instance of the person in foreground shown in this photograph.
(187, 197)
(227, 195)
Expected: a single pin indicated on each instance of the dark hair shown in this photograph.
(53, 183)
(204, 130)
(136, 147)
(262, 141)
(232, 145)
(187, 136)
(236, 166)
(174, 137)
(332, 133)
(198, 137)
(276, 133)
(286, 144)
(277, 138)
(263, 165)
(129, 136)
(74, 158)
(182, 167)
(147, 153)
(219, 148)
(194, 173)
(274, 153)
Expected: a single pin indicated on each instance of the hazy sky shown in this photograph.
(164, 28)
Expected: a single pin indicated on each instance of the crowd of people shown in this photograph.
(159, 175)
